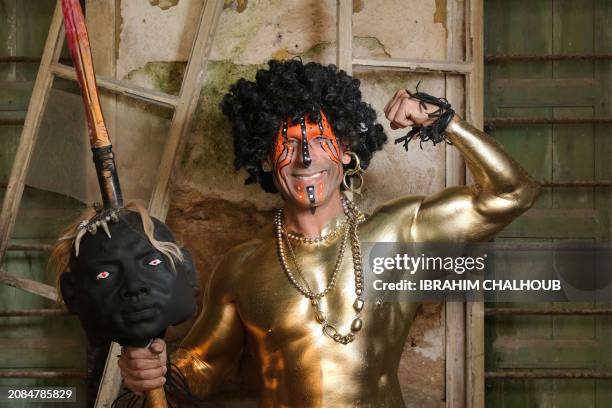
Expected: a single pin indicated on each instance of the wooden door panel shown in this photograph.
(538, 93)
(581, 89)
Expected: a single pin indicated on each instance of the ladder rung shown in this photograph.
(121, 87)
(401, 64)
(42, 374)
(30, 247)
(23, 59)
(29, 285)
(34, 312)
(18, 58)
(12, 121)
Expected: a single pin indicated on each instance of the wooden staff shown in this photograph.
(78, 42)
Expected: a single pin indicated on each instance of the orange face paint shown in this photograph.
(302, 134)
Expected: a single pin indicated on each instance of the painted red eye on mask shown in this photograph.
(155, 262)
(103, 275)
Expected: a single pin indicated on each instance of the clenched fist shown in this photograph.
(403, 111)
(143, 369)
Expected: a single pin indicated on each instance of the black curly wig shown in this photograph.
(290, 89)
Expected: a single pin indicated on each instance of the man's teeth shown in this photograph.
(310, 177)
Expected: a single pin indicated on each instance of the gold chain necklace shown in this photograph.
(315, 240)
(354, 217)
(332, 281)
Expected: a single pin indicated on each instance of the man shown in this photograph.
(291, 295)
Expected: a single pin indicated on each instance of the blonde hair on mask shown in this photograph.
(59, 261)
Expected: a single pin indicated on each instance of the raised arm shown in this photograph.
(502, 190)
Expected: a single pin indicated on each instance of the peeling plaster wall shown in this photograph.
(212, 210)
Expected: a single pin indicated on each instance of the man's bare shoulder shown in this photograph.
(402, 207)
(237, 259)
(393, 220)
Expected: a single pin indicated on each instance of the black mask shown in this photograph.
(125, 290)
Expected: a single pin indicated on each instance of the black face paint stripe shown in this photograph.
(310, 190)
(284, 155)
(305, 149)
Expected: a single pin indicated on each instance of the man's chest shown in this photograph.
(271, 297)
(275, 311)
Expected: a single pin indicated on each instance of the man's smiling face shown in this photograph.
(307, 162)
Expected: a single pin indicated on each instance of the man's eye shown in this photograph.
(155, 262)
(321, 141)
(103, 275)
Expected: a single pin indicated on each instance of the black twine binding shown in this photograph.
(436, 132)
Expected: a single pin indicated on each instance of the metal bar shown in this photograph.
(546, 312)
(120, 87)
(12, 122)
(17, 59)
(31, 247)
(581, 183)
(14, 58)
(29, 285)
(399, 64)
(493, 58)
(42, 374)
(548, 374)
(34, 312)
(546, 121)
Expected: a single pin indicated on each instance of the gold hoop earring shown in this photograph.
(353, 175)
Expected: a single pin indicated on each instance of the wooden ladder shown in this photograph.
(183, 106)
(464, 322)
